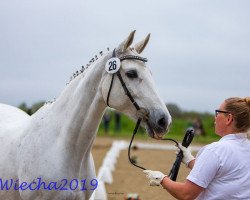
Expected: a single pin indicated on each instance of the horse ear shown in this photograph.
(126, 43)
(139, 47)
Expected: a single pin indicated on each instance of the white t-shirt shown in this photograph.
(223, 169)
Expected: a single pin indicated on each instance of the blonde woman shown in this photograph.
(221, 170)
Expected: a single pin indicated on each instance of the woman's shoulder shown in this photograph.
(217, 146)
(213, 145)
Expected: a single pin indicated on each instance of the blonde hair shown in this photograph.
(240, 109)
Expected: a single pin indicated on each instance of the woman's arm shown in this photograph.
(183, 191)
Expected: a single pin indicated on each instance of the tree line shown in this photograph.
(30, 110)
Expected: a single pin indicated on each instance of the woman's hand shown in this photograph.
(155, 177)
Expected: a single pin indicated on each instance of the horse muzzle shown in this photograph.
(157, 123)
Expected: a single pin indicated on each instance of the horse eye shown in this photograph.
(132, 74)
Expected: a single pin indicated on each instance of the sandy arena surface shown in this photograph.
(129, 179)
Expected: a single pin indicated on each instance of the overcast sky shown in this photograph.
(199, 51)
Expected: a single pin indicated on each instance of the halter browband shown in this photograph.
(132, 57)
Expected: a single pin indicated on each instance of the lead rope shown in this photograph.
(131, 141)
(185, 142)
(129, 148)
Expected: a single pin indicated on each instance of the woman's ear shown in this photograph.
(230, 119)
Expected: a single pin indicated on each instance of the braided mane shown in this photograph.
(81, 71)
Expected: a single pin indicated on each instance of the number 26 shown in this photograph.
(112, 65)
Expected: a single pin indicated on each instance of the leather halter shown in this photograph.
(141, 112)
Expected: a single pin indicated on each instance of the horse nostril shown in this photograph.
(162, 122)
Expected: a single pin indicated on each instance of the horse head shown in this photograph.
(137, 78)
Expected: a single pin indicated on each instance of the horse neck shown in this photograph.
(80, 108)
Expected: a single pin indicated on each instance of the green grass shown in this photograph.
(177, 130)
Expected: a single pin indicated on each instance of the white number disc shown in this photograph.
(113, 65)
